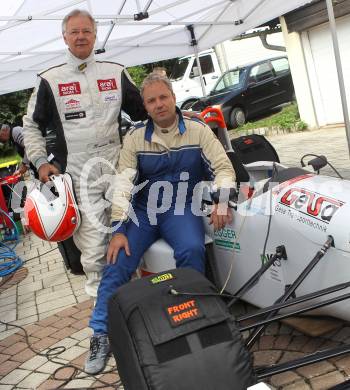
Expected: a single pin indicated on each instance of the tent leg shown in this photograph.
(333, 28)
(195, 47)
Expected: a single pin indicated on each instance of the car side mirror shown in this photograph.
(194, 72)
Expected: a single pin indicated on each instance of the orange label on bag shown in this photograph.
(183, 312)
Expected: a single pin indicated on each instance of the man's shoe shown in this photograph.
(98, 354)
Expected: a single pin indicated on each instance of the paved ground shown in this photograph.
(51, 305)
(330, 142)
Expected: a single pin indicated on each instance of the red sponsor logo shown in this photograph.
(72, 103)
(69, 89)
(313, 204)
(106, 85)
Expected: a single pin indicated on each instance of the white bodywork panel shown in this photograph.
(305, 211)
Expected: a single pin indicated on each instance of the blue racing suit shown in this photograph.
(167, 165)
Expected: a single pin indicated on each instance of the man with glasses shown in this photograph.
(81, 101)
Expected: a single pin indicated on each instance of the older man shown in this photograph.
(81, 101)
(169, 154)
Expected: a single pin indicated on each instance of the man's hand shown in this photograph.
(21, 170)
(220, 216)
(117, 242)
(46, 170)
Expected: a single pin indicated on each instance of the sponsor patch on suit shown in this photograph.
(72, 104)
(75, 115)
(107, 85)
(69, 89)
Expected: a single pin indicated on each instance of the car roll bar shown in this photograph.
(291, 289)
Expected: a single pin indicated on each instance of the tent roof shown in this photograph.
(31, 40)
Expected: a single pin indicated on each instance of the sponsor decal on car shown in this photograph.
(274, 273)
(69, 89)
(307, 207)
(311, 203)
(107, 85)
(226, 238)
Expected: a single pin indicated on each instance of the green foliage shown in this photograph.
(7, 152)
(13, 106)
(287, 118)
(137, 73)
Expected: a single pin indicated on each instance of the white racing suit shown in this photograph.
(80, 102)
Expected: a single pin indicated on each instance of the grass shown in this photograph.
(287, 118)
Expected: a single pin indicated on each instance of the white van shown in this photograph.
(185, 77)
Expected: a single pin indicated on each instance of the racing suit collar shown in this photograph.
(150, 126)
(77, 63)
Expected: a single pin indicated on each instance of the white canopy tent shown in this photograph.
(131, 32)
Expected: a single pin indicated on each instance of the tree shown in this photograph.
(13, 106)
(138, 73)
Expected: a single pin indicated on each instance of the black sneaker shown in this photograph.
(97, 357)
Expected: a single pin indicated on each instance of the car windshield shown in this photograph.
(179, 69)
(230, 80)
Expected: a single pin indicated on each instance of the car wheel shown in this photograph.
(187, 105)
(237, 117)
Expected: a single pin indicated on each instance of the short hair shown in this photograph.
(154, 77)
(77, 12)
(5, 127)
(160, 70)
(5, 131)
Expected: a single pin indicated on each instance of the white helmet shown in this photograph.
(51, 211)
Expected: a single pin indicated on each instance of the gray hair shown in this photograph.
(77, 12)
(154, 77)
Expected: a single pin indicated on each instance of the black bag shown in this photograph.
(71, 256)
(164, 341)
(255, 147)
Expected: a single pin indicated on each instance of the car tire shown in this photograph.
(187, 105)
(237, 117)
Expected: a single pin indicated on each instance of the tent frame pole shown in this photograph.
(333, 27)
(194, 43)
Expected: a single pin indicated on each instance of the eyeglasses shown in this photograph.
(85, 31)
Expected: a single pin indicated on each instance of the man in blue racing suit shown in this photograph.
(168, 156)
